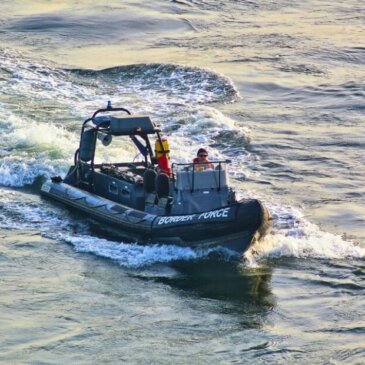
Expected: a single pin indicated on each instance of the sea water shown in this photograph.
(275, 86)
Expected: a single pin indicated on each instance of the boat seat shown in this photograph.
(162, 185)
(149, 181)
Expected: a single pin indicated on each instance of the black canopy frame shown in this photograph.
(133, 126)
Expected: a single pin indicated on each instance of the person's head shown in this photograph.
(202, 154)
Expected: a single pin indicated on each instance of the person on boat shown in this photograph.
(201, 161)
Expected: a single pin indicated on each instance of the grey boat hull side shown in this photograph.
(234, 226)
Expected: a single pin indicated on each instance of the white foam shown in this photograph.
(39, 80)
(31, 149)
(205, 124)
(19, 171)
(20, 211)
(166, 84)
(133, 255)
(293, 235)
(310, 243)
(205, 127)
(32, 136)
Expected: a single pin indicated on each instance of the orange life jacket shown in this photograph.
(200, 166)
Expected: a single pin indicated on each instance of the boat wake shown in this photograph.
(293, 235)
(39, 136)
(165, 83)
(133, 255)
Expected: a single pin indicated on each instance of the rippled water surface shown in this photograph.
(277, 87)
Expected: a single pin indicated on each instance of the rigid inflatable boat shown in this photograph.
(151, 201)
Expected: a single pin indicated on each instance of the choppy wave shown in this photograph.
(30, 84)
(208, 127)
(170, 84)
(349, 55)
(158, 84)
(29, 149)
(19, 210)
(226, 6)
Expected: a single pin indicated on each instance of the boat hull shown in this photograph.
(234, 226)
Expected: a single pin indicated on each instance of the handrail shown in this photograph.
(200, 163)
(110, 109)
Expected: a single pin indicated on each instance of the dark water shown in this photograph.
(278, 87)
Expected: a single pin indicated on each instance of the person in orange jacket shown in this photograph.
(201, 161)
